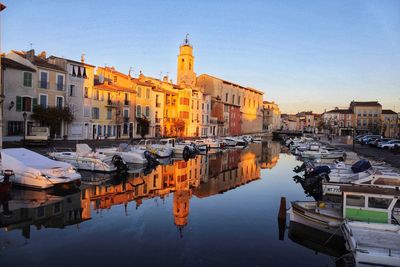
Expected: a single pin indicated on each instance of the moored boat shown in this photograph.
(34, 170)
(86, 159)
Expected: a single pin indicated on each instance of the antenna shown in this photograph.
(160, 75)
(30, 44)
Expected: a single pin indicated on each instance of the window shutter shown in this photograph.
(19, 103)
(34, 103)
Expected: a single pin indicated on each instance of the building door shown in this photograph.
(94, 132)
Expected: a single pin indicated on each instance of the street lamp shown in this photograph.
(24, 115)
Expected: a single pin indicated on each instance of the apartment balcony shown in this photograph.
(126, 119)
(43, 84)
(112, 104)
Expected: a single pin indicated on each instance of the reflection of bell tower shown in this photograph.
(182, 195)
(181, 208)
(185, 72)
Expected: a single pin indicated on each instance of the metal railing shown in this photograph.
(43, 84)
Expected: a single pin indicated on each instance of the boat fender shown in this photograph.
(321, 205)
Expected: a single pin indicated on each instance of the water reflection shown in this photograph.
(219, 203)
(202, 177)
(43, 209)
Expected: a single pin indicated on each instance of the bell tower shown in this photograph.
(185, 72)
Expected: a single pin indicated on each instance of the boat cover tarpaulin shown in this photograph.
(24, 160)
(360, 166)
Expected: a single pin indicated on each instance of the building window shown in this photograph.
(138, 111)
(95, 113)
(184, 101)
(233, 99)
(139, 92)
(27, 79)
(226, 97)
(86, 111)
(44, 83)
(109, 113)
(15, 128)
(239, 100)
(86, 93)
(59, 102)
(43, 101)
(148, 93)
(126, 113)
(184, 115)
(115, 79)
(60, 82)
(147, 114)
(72, 90)
(23, 103)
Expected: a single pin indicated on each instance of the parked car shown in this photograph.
(38, 135)
(371, 140)
(390, 144)
(358, 137)
(366, 138)
(380, 141)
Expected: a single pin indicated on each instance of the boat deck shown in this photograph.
(368, 238)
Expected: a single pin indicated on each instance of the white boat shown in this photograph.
(180, 148)
(158, 148)
(359, 203)
(247, 138)
(128, 154)
(34, 170)
(86, 159)
(322, 216)
(322, 154)
(373, 244)
(235, 142)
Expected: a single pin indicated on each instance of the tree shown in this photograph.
(179, 126)
(143, 126)
(53, 117)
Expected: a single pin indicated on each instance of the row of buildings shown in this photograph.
(107, 103)
(361, 117)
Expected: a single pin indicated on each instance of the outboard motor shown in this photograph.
(186, 153)
(119, 163)
(320, 171)
(151, 158)
(300, 168)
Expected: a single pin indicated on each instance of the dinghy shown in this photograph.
(34, 170)
(129, 154)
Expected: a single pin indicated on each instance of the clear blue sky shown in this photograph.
(305, 55)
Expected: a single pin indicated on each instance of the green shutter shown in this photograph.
(19, 103)
(34, 103)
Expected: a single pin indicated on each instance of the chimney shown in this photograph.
(42, 55)
(30, 55)
(83, 58)
(165, 79)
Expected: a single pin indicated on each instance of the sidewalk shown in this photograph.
(367, 151)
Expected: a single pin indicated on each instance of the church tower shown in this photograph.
(185, 72)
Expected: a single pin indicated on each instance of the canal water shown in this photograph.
(215, 210)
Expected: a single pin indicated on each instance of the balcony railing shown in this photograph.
(158, 105)
(126, 119)
(111, 103)
(126, 102)
(60, 87)
(44, 84)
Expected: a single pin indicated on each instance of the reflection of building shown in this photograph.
(270, 154)
(41, 209)
(228, 171)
